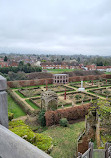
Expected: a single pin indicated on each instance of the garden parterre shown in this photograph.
(73, 97)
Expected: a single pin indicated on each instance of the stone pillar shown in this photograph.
(3, 102)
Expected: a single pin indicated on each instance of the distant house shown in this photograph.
(91, 67)
(4, 64)
(59, 65)
(13, 63)
(104, 68)
(37, 63)
(1, 59)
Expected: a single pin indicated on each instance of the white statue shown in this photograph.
(81, 89)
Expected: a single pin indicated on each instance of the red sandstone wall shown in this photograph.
(86, 78)
(24, 83)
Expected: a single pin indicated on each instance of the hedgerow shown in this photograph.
(73, 113)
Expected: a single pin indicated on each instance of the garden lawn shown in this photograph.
(65, 139)
(21, 95)
(31, 86)
(32, 104)
(108, 73)
(15, 108)
(56, 71)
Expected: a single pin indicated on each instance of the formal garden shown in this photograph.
(75, 98)
(60, 139)
(104, 92)
(92, 84)
(31, 95)
(30, 92)
(59, 88)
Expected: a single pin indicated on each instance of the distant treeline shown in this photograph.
(24, 68)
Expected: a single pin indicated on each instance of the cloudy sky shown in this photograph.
(66, 26)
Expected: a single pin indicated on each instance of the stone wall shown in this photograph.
(3, 102)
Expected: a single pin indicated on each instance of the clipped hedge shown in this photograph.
(43, 142)
(73, 113)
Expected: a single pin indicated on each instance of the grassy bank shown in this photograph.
(14, 108)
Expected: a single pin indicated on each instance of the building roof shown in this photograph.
(60, 74)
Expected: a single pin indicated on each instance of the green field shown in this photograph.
(108, 73)
(15, 108)
(65, 139)
(56, 71)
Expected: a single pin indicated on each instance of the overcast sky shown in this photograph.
(67, 26)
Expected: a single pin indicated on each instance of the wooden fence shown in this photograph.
(96, 153)
(108, 150)
(88, 153)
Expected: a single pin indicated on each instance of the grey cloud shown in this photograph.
(76, 26)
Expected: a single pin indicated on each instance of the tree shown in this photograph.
(78, 59)
(28, 64)
(21, 63)
(5, 58)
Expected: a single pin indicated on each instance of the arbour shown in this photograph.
(49, 100)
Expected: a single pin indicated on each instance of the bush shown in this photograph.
(78, 97)
(41, 118)
(10, 116)
(43, 142)
(63, 122)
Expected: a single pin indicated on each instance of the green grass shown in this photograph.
(70, 91)
(108, 73)
(20, 94)
(98, 95)
(56, 71)
(32, 104)
(65, 106)
(15, 108)
(84, 102)
(31, 86)
(91, 87)
(65, 139)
